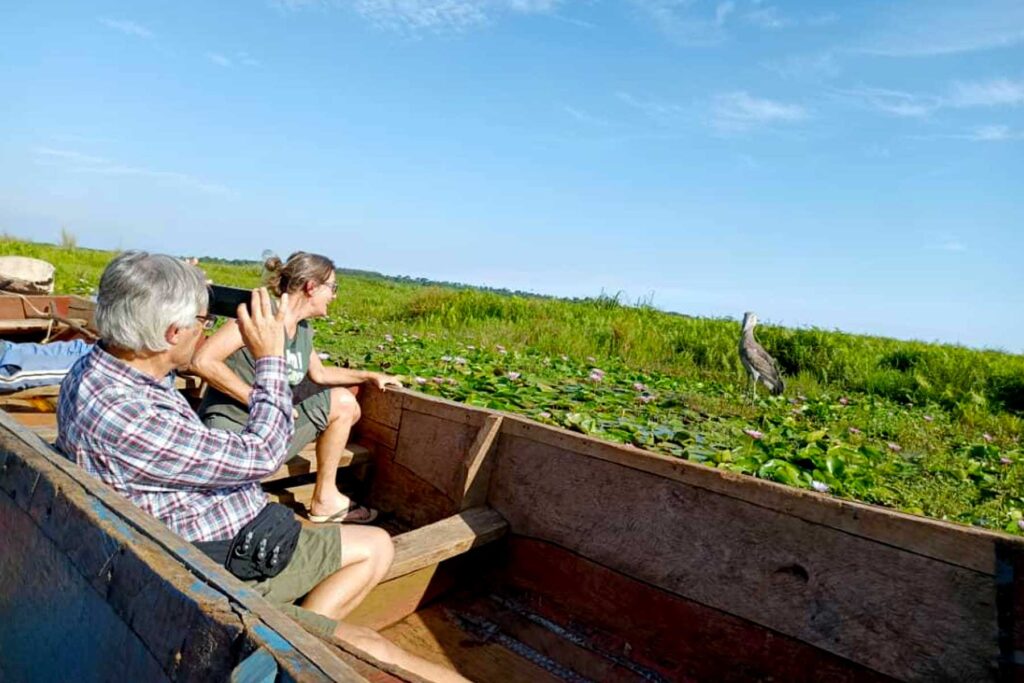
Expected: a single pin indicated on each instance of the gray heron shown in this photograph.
(759, 365)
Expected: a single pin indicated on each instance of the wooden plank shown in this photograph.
(397, 490)
(442, 540)
(24, 326)
(259, 667)
(435, 635)
(897, 612)
(679, 639)
(964, 546)
(434, 448)
(296, 497)
(370, 430)
(384, 407)
(305, 461)
(476, 468)
(443, 408)
(301, 655)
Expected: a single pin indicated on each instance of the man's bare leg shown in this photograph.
(345, 412)
(382, 649)
(366, 554)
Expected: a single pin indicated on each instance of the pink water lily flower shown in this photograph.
(564, 357)
(854, 430)
(987, 437)
(844, 401)
(388, 338)
(639, 386)
(1020, 524)
(459, 360)
(894, 447)
(753, 434)
(512, 375)
(323, 355)
(545, 414)
(819, 486)
(437, 380)
(381, 347)
(421, 380)
(645, 398)
(928, 418)
(1005, 461)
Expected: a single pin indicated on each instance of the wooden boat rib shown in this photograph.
(524, 552)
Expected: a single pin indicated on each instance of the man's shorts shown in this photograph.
(317, 556)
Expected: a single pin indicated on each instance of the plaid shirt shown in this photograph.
(141, 437)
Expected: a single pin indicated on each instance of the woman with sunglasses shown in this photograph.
(327, 415)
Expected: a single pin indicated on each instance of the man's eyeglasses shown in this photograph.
(333, 286)
(208, 321)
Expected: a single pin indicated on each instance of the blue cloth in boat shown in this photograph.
(23, 366)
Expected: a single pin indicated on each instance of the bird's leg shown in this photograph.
(753, 391)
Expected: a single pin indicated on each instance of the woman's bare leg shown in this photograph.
(366, 554)
(345, 412)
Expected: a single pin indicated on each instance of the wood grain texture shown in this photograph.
(434, 448)
(677, 638)
(399, 491)
(434, 635)
(304, 461)
(475, 474)
(445, 539)
(123, 555)
(893, 611)
(384, 407)
(370, 431)
(965, 546)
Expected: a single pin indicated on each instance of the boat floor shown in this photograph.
(499, 635)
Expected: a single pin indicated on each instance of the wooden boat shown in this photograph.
(523, 552)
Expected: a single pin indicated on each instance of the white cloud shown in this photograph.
(584, 117)
(445, 15)
(723, 10)
(663, 112)
(960, 95)
(939, 27)
(246, 59)
(678, 23)
(218, 59)
(987, 93)
(129, 28)
(993, 133)
(895, 102)
(809, 66)
(739, 111)
(767, 17)
(947, 243)
(76, 162)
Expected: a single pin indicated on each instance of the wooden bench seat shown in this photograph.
(305, 461)
(434, 543)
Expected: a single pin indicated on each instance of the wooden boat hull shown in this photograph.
(606, 563)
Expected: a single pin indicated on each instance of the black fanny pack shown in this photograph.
(262, 548)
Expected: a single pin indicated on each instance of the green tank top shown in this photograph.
(296, 354)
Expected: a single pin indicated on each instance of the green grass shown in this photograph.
(926, 428)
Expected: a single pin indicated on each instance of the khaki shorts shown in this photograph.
(317, 556)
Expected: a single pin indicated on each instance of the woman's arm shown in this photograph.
(209, 362)
(346, 377)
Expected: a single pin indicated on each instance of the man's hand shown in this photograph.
(262, 331)
(382, 381)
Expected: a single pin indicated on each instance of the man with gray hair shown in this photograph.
(122, 420)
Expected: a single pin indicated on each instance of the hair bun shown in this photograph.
(272, 263)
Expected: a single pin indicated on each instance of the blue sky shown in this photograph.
(845, 165)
